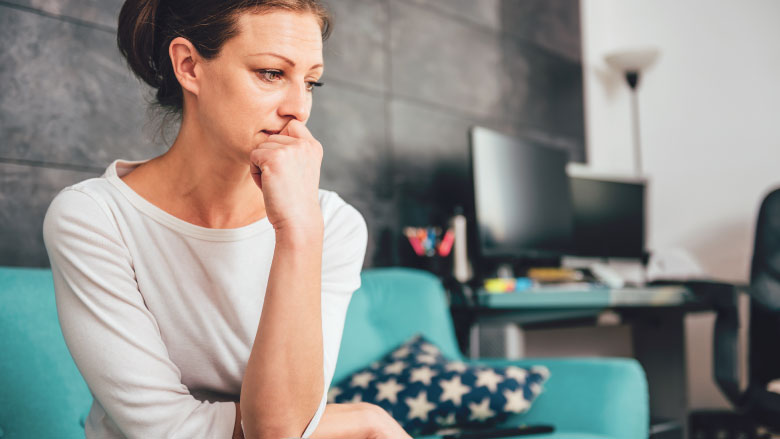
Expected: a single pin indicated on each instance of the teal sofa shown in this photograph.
(42, 394)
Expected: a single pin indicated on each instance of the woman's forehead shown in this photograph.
(294, 35)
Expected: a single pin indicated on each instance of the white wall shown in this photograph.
(710, 118)
(710, 132)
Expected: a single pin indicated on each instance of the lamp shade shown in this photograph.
(634, 60)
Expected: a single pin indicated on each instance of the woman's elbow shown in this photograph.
(276, 419)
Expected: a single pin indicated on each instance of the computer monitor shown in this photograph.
(609, 217)
(522, 197)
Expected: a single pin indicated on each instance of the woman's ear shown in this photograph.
(184, 59)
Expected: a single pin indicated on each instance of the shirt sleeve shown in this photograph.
(344, 249)
(113, 337)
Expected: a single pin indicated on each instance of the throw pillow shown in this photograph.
(424, 391)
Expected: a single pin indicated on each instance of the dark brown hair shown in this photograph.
(147, 27)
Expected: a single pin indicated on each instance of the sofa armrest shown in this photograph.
(600, 396)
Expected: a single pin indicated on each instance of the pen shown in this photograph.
(445, 246)
(418, 248)
(430, 243)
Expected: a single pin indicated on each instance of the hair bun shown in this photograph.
(136, 39)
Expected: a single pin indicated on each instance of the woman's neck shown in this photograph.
(200, 183)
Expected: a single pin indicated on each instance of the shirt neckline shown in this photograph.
(121, 167)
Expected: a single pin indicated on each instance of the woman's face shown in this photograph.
(261, 79)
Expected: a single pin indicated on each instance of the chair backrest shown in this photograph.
(392, 305)
(765, 312)
(765, 269)
(43, 394)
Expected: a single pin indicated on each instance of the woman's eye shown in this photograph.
(270, 75)
(311, 84)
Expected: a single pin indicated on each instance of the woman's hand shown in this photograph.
(286, 167)
(385, 426)
(358, 421)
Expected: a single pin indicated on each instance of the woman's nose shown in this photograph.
(296, 103)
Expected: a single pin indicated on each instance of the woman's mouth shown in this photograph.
(270, 132)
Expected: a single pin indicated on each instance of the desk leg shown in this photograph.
(659, 345)
(474, 341)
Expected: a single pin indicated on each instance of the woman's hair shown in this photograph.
(147, 27)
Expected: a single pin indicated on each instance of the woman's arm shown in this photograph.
(283, 384)
(348, 421)
(113, 337)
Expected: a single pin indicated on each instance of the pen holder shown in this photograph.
(428, 248)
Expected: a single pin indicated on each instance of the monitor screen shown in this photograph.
(609, 217)
(522, 196)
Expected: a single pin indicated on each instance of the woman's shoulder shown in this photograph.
(96, 191)
(332, 205)
(340, 216)
(86, 204)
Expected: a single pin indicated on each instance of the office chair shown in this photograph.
(754, 403)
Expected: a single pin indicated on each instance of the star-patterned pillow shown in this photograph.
(426, 392)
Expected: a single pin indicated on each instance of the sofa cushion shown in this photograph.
(43, 394)
(426, 392)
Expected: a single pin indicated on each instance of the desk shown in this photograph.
(593, 297)
(655, 315)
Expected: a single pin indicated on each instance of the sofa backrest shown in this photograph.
(391, 306)
(42, 392)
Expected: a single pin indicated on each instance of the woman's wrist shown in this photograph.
(300, 234)
(369, 416)
(347, 421)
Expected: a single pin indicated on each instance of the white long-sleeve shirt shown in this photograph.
(160, 315)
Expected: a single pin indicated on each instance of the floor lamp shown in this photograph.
(631, 63)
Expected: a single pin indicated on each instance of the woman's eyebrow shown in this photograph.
(284, 58)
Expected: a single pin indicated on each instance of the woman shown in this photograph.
(216, 272)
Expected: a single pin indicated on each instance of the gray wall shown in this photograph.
(404, 81)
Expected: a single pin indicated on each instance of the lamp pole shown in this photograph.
(631, 63)
(632, 77)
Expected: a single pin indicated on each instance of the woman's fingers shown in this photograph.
(281, 138)
(286, 167)
(269, 151)
(296, 128)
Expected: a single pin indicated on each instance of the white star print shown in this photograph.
(453, 390)
(388, 390)
(515, 402)
(426, 359)
(431, 349)
(446, 421)
(517, 373)
(395, 368)
(541, 370)
(481, 411)
(419, 407)
(362, 379)
(401, 352)
(489, 379)
(456, 366)
(423, 375)
(333, 392)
